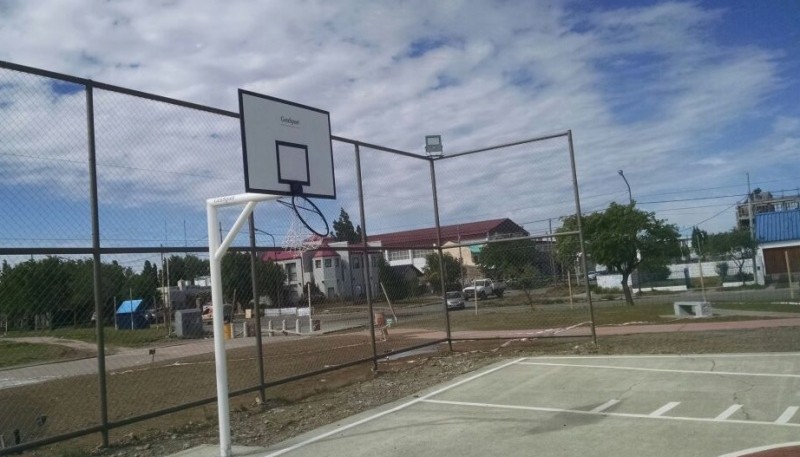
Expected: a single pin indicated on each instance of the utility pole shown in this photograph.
(750, 223)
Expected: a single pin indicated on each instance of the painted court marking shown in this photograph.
(389, 411)
(787, 415)
(663, 370)
(605, 414)
(730, 412)
(601, 410)
(605, 406)
(664, 409)
(761, 449)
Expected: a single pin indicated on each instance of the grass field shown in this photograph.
(113, 337)
(13, 353)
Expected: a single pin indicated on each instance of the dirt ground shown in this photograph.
(295, 408)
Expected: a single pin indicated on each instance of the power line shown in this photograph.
(692, 199)
(719, 213)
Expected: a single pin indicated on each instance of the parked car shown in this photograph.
(455, 300)
(484, 287)
(208, 313)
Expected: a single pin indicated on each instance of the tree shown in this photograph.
(700, 242)
(187, 267)
(237, 283)
(622, 237)
(144, 285)
(343, 229)
(271, 279)
(722, 270)
(507, 260)
(394, 284)
(568, 246)
(452, 270)
(736, 245)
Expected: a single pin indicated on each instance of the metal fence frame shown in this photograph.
(97, 250)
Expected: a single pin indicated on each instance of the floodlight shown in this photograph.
(433, 144)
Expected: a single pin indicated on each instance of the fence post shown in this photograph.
(256, 310)
(578, 218)
(365, 260)
(442, 272)
(789, 274)
(96, 276)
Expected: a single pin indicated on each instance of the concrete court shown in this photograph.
(692, 405)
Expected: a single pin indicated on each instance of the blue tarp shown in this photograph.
(130, 306)
(131, 315)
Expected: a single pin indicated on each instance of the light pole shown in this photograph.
(630, 196)
(638, 254)
(267, 233)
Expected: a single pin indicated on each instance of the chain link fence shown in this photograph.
(105, 271)
(105, 299)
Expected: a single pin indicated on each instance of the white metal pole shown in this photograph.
(220, 357)
(216, 250)
(310, 323)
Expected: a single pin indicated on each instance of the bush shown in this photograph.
(708, 281)
(722, 270)
(743, 276)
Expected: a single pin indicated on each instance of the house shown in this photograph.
(410, 247)
(187, 294)
(759, 202)
(336, 268)
(778, 236)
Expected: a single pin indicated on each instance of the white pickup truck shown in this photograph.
(483, 288)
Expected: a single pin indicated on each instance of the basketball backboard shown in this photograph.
(286, 147)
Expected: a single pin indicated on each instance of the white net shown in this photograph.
(298, 238)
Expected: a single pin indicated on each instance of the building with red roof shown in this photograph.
(338, 269)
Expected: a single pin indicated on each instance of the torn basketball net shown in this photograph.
(299, 239)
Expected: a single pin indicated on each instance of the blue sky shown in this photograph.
(685, 97)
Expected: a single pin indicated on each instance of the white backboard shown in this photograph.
(286, 146)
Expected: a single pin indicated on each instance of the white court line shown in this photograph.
(605, 406)
(753, 450)
(728, 412)
(787, 415)
(664, 409)
(669, 356)
(389, 411)
(590, 413)
(664, 370)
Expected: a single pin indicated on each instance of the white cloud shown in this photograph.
(646, 89)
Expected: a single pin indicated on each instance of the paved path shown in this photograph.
(132, 358)
(125, 358)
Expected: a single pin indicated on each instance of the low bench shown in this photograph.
(693, 308)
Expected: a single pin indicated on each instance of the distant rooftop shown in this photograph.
(424, 237)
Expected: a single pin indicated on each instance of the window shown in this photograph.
(327, 263)
(373, 261)
(291, 272)
(317, 264)
(422, 253)
(356, 262)
(399, 255)
(336, 262)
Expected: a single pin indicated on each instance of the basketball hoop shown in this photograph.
(302, 236)
(299, 239)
